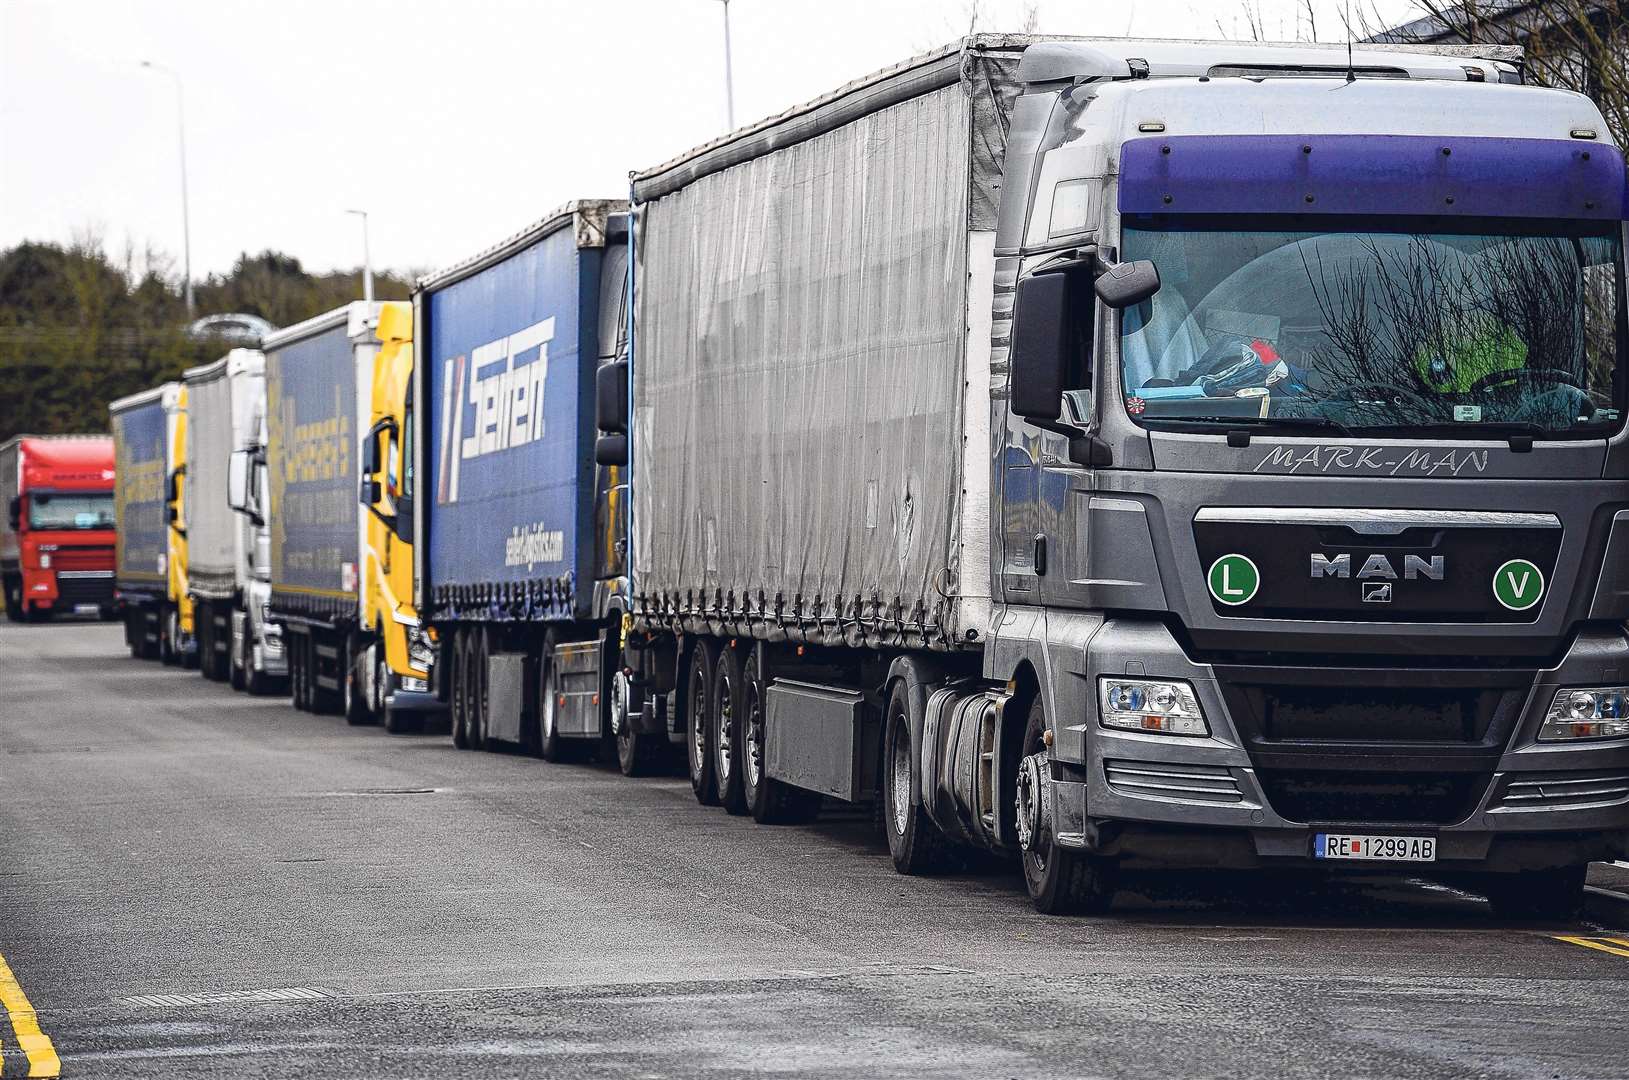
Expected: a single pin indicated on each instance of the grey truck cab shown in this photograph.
(1312, 469)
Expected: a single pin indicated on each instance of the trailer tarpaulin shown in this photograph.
(801, 391)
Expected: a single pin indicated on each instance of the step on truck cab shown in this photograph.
(57, 536)
(1221, 463)
(520, 533)
(228, 538)
(321, 448)
(150, 554)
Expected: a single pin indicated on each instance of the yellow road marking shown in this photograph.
(42, 1056)
(1615, 946)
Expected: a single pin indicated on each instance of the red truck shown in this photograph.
(56, 538)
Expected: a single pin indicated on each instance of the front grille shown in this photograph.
(1550, 791)
(84, 590)
(1315, 795)
(82, 558)
(1184, 783)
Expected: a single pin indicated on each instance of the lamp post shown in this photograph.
(729, 80)
(367, 259)
(186, 223)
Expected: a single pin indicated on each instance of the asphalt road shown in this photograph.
(197, 883)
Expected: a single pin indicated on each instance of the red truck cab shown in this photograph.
(56, 535)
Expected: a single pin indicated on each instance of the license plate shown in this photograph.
(1375, 848)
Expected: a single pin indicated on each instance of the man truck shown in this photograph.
(56, 539)
(1133, 453)
(150, 551)
(228, 537)
(335, 572)
(520, 536)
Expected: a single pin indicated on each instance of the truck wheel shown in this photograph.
(169, 638)
(301, 672)
(770, 801)
(639, 753)
(551, 745)
(357, 711)
(1541, 895)
(914, 841)
(240, 660)
(478, 688)
(455, 692)
(204, 640)
(698, 685)
(14, 600)
(725, 731)
(1060, 881)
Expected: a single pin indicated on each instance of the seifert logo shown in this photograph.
(492, 401)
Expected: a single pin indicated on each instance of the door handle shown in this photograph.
(1040, 554)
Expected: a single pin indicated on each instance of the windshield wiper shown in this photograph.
(1277, 423)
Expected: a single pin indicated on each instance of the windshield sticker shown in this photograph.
(1373, 459)
(1135, 405)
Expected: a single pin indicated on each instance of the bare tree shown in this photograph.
(1580, 45)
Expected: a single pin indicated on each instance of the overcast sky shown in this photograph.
(453, 122)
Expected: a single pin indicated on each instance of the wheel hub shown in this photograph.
(1034, 804)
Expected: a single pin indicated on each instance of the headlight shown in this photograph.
(1160, 706)
(1587, 713)
(421, 651)
(45, 561)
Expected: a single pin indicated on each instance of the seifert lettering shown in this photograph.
(494, 400)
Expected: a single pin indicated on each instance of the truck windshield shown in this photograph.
(1506, 328)
(70, 511)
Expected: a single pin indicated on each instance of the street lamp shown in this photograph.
(367, 259)
(186, 224)
(729, 82)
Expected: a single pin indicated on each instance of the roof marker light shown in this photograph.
(1151, 125)
(1584, 133)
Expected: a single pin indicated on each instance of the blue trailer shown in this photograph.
(520, 553)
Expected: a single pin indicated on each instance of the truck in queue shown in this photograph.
(57, 536)
(339, 619)
(1121, 454)
(228, 536)
(150, 551)
(520, 552)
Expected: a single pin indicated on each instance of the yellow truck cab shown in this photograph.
(388, 613)
(176, 642)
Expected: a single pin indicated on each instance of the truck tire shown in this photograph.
(770, 801)
(1061, 881)
(724, 733)
(169, 634)
(1537, 895)
(14, 599)
(240, 659)
(455, 691)
(300, 686)
(914, 841)
(478, 688)
(357, 709)
(551, 745)
(255, 682)
(697, 691)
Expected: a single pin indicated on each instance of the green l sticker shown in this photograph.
(1233, 580)
(1518, 584)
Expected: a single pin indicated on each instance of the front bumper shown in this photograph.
(1509, 802)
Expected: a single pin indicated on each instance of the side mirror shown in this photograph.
(14, 512)
(1040, 346)
(402, 524)
(1123, 285)
(611, 450)
(611, 398)
(370, 451)
(237, 481)
(172, 486)
(372, 491)
(174, 513)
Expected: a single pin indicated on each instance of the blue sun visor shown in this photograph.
(1374, 174)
